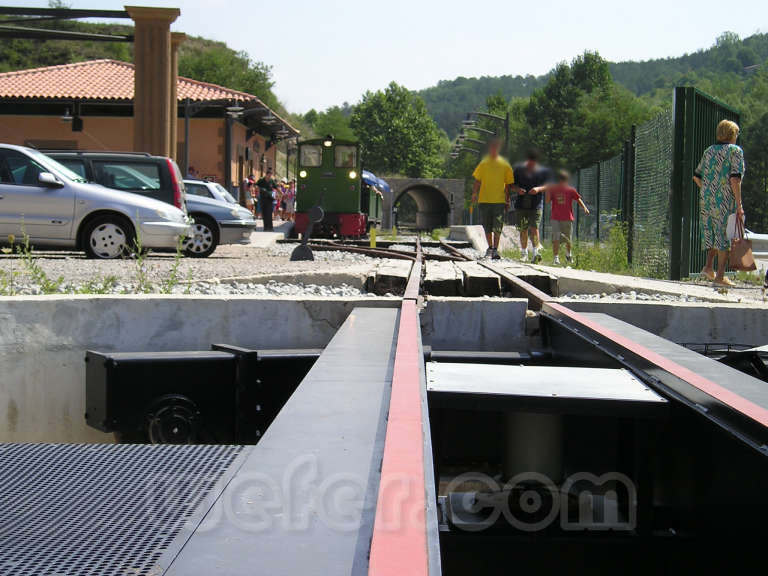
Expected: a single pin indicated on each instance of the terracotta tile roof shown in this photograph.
(99, 80)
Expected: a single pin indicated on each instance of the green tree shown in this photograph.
(333, 121)
(580, 116)
(600, 124)
(397, 134)
(552, 109)
(755, 142)
(214, 62)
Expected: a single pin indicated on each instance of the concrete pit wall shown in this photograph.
(688, 322)
(497, 324)
(43, 342)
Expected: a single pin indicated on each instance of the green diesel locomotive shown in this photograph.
(331, 177)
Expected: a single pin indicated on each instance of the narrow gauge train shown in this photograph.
(331, 176)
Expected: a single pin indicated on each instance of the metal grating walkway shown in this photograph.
(102, 509)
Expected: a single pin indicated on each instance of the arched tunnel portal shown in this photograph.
(438, 201)
(432, 208)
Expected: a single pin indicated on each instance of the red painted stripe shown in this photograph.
(728, 397)
(399, 546)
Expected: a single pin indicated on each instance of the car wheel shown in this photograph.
(107, 237)
(204, 240)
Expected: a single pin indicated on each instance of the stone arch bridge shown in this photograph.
(439, 201)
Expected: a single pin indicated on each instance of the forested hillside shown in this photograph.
(451, 99)
(199, 58)
(729, 61)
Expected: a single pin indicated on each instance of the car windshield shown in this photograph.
(223, 191)
(56, 167)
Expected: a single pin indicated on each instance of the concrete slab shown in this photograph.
(510, 239)
(541, 279)
(390, 277)
(479, 281)
(43, 341)
(590, 282)
(354, 275)
(482, 324)
(442, 279)
(262, 239)
(472, 234)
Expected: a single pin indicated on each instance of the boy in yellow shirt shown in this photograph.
(493, 177)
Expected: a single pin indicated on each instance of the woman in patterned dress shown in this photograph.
(718, 177)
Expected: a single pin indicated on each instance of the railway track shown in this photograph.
(442, 268)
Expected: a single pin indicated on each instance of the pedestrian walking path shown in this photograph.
(262, 239)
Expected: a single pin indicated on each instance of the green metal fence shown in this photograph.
(588, 185)
(611, 180)
(696, 118)
(650, 209)
(649, 186)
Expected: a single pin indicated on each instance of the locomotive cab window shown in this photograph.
(345, 156)
(311, 156)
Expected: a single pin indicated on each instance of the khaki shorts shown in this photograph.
(492, 217)
(528, 219)
(561, 231)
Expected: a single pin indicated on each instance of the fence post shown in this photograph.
(629, 191)
(678, 176)
(597, 207)
(578, 212)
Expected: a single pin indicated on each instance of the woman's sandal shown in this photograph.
(708, 274)
(725, 283)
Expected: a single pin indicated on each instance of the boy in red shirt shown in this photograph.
(562, 197)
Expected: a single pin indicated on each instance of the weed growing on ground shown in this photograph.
(512, 253)
(610, 256)
(143, 285)
(35, 271)
(104, 285)
(7, 284)
(439, 233)
(753, 277)
(173, 277)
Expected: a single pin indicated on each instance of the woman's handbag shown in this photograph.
(740, 257)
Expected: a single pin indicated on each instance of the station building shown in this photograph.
(224, 134)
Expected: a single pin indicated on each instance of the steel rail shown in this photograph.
(413, 287)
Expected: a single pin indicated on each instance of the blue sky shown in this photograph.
(325, 52)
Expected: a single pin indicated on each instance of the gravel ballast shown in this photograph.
(71, 273)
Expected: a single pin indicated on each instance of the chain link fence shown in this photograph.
(648, 189)
(639, 188)
(611, 194)
(652, 186)
(644, 196)
(588, 182)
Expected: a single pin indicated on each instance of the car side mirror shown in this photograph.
(49, 180)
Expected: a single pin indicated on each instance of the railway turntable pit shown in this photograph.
(378, 435)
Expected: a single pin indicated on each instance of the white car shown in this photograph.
(759, 243)
(219, 219)
(56, 207)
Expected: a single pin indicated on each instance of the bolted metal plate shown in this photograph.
(104, 509)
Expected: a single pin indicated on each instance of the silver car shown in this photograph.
(56, 207)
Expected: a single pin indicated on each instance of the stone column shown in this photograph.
(176, 39)
(152, 79)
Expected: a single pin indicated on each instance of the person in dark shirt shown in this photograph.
(531, 179)
(266, 185)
